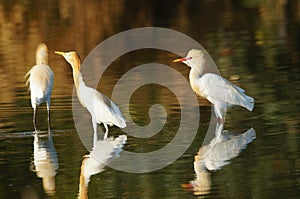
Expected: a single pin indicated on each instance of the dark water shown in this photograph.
(254, 43)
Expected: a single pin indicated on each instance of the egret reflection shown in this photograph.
(103, 152)
(217, 153)
(45, 162)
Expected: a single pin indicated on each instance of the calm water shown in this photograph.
(256, 40)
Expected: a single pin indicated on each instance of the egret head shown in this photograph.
(41, 54)
(194, 59)
(72, 58)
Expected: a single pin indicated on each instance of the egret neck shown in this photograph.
(41, 55)
(77, 77)
(78, 80)
(194, 76)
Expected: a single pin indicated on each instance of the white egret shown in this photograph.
(41, 82)
(101, 108)
(219, 91)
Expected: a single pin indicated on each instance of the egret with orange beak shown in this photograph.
(101, 108)
(219, 91)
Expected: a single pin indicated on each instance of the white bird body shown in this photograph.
(219, 91)
(41, 82)
(101, 108)
(222, 93)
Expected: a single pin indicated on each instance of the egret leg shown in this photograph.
(106, 131)
(219, 129)
(95, 133)
(220, 120)
(220, 111)
(34, 119)
(48, 110)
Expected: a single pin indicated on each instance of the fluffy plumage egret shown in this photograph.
(219, 91)
(41, 82)
(101, 108)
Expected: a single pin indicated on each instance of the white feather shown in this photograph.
(218, 90)
(102, 109)
(41, 83)
(207, 82)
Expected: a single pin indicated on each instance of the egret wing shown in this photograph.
(102, 109)
(110, 113)
(41, 82)
(215, 87)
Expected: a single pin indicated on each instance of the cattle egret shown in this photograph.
(41, 82)
(101, 108)
(219, 91)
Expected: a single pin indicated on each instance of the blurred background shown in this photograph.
(255, 44)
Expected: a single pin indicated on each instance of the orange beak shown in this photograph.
(180, 60)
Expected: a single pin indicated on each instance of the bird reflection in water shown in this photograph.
(45, 162)
(217, 153)
(103, 152)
